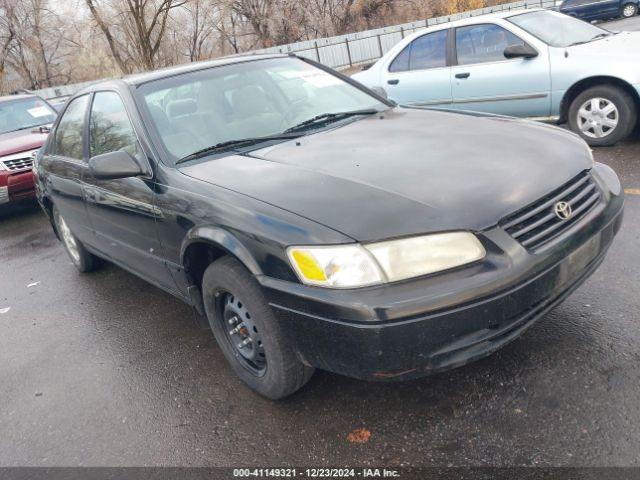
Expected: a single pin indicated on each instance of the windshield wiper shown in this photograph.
(232, 144)
(600, 35)
(330, 116)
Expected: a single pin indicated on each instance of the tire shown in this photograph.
(609, 128)
(80, 257)
(629, 10)
(273, 368)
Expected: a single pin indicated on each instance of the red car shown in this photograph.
(24, 125)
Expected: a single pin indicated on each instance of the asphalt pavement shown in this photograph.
(628, 24)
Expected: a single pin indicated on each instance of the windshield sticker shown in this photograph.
(39, 112)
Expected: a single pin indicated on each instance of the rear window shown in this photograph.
(427, 51)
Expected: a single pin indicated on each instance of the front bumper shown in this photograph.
(16, 186)
(434, 323)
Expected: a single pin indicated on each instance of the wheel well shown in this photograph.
(579, 87)
(197, 257)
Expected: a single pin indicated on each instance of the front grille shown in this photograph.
(537, 224)
(19, 164)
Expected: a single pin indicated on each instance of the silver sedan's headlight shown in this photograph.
(354, 265)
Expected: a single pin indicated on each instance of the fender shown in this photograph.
(223, 239)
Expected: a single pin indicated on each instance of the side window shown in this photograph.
(401, 62)
(483, 43)
(68, 139)
(109, 127)
(429, 51)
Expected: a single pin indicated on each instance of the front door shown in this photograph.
(66, 162)
(122, 211)
(419, 74)
(485, 81)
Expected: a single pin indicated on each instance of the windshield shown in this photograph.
(24, 113)
(195, 111)
(556, 29)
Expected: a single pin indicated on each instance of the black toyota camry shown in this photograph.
(310, 223)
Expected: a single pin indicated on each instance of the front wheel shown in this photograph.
(629, 10)
(249, 335)
(80, 257)
(602, 115)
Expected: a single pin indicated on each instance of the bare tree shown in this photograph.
(198, 27)
(134, 29)
(32, 43)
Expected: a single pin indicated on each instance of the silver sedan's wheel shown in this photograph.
(598, 117)
(69, 240)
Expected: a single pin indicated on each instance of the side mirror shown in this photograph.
(112, 165)
(381, 92)
(520, 51)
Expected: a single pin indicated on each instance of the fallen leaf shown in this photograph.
(5, 310)
(33, 284)
(360, 435)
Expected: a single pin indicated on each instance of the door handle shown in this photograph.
(393, 81)
(463, 75)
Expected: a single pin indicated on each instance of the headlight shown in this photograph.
(2, 167)
(412, 257)
(349, 266)
(340, 266)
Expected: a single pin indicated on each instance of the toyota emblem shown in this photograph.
(563, 210)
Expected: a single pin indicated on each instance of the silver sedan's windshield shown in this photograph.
(248, 101)
(556, 29)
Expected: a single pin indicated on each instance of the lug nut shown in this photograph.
(233, 320)
(244, 343)
(237, 329)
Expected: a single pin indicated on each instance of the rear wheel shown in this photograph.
(80, 257)
(602, 115)
(248, 333)
(629, 10)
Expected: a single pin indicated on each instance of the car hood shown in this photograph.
(20, 141)
(620, 45)
(407, 171)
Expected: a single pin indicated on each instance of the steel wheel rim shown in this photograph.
(628, 11)
(242, 333)
(598, 117)
(69, 240)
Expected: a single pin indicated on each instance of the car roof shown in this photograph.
(473, 20)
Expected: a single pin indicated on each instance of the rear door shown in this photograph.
(65, 162)
(484, 80)
(122, 211)
(420, 74)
